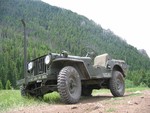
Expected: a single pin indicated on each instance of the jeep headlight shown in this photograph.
(30, 66)
(47, 59)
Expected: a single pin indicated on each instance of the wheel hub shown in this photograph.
(119, 84)
(72, 85)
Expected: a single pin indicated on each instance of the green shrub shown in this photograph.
(143, 85)
(129, 83)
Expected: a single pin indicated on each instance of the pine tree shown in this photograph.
(8, 85)
(1, 85)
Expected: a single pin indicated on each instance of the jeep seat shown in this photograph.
(101, 60)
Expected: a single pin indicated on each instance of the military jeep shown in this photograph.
(73, 76)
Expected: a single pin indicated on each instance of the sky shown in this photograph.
(129, 19)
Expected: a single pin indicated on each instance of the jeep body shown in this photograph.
(73, 76)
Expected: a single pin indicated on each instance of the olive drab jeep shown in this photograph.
(73, 76)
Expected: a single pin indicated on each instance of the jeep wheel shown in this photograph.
(23, 92)
(86, 91)
(69, 85)
(117, 85)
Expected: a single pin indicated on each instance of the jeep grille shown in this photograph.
(39, 66)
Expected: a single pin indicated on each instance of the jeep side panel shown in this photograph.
(85, 68)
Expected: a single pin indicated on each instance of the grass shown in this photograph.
(111, 110)
(107, 91)
(101, 91)
(12, 99)
(52, 98)
(137, 89)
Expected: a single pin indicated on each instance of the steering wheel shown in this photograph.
(89, 52)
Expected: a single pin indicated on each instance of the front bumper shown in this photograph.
(33, 79)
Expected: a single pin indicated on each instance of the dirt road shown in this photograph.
(136, 102)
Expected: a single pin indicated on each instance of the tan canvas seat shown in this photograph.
(101, 60)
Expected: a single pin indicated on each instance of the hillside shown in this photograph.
(52, 29)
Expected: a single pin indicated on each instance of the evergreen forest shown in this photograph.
(53, 29)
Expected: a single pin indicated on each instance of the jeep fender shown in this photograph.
(79, 65)
(118, 68)
(116, 65)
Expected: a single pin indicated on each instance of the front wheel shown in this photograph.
(23, 91)
(116, 84)
(69, 85)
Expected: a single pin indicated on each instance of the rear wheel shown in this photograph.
(69, 85)
(116, 84)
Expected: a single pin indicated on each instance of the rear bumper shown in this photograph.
(33, 79)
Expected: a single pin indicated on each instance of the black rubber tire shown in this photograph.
(23, 92)
(117, 84)
(69, 85)
(86, 91)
